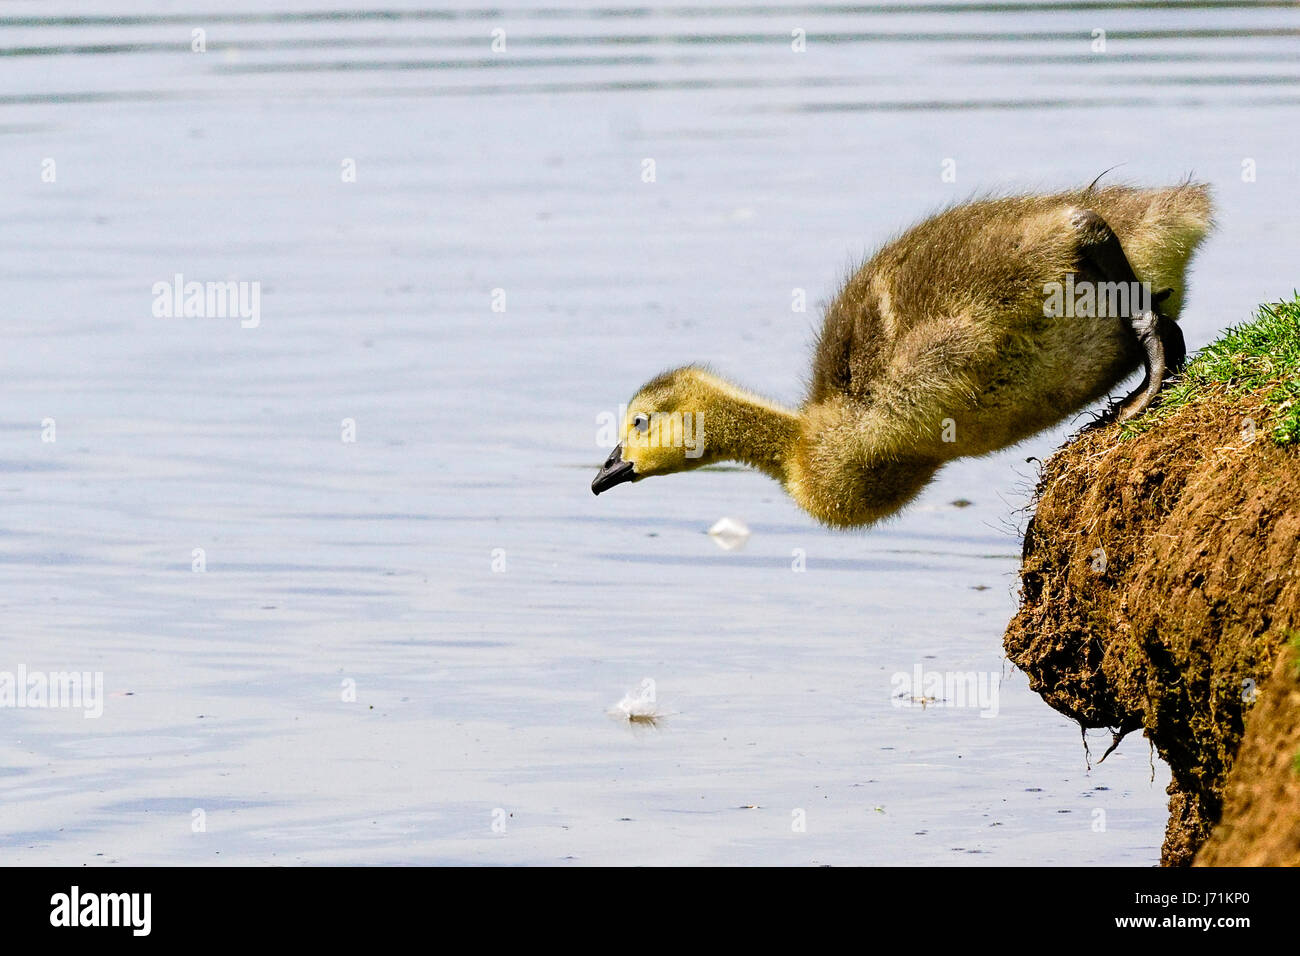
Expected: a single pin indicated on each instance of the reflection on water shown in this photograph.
(886, 47)
(358, 651)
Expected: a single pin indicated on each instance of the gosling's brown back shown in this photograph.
(956, 291)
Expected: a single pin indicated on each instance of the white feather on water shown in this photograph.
(730, 534)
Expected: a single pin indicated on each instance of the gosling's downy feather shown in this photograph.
(937, 348)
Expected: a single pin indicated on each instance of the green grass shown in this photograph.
(1260, 353)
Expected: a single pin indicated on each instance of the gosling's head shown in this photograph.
(663, 431)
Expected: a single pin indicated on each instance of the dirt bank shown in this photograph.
(1160, 587)
(1261, 812)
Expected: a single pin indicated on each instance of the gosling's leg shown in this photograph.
(1164, 352)
(1147, 328)
(1163, 348)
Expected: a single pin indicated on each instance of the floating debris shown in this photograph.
(730, 534)
(639, 706)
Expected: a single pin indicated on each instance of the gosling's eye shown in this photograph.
(641, 422)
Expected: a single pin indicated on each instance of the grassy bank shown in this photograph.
(1262, 355)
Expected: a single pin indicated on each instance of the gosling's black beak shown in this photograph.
(615, 471)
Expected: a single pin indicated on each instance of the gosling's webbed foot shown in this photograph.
(1175, 346)
(1102, 420)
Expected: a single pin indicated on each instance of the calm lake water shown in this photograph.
(497, 276)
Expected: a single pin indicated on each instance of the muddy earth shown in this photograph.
(1160, 593)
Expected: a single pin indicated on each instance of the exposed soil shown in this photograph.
(1160, 584)
(1261, 811)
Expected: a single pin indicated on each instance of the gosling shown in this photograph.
(970, 332)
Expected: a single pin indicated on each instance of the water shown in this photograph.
(481, 695)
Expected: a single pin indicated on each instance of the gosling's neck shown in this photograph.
(740, 426)
(828, 456)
